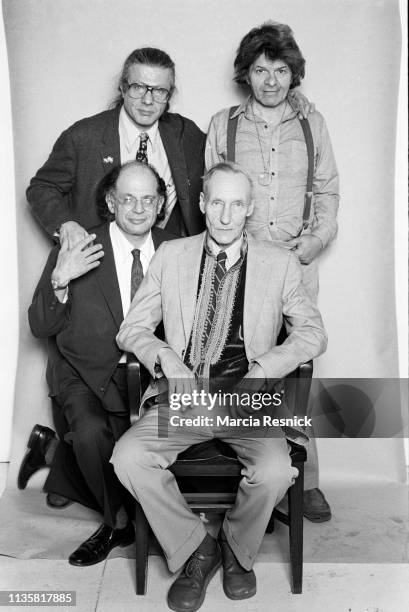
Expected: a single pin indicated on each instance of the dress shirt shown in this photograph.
(233, 252)
(129, 139)
(279, 206)
(123, 258)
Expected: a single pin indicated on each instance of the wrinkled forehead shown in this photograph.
(157, 76)
(228, 185)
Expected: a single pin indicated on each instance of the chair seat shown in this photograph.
(211, 450)
(218, 452)
(216, 459)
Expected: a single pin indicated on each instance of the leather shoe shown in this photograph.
(54, 500)
(34, 459)
(100, 544)
(238, 583)
(316, 507)
(188, 591)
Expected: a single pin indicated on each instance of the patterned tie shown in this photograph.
(219, 272)
(136, 272)
(142, 155)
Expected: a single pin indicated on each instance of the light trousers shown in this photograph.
(140, 459)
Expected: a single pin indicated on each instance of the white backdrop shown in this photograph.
(64, 60)
(8, 254)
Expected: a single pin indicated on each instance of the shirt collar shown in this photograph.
(122, 245)
(245, 108)
(234, 252)
(131, 132)
(241, 109)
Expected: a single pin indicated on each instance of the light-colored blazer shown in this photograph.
(273, 292)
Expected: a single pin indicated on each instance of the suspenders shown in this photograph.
(231, 156)
(231, 134)
(310, 152)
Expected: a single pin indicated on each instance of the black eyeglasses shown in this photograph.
(138, 90)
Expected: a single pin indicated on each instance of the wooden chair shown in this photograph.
(208, 475)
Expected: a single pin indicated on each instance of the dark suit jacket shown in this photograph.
(82, 332)
(64, 188)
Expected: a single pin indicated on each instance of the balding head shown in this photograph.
(134, 195)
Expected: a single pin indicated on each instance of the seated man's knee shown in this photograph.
(273, 473)
(128, 455)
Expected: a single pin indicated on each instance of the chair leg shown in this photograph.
(270, 526)
(142, 549)
(295, 511)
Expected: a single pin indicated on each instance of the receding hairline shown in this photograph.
(152, 65)
(136, 167)
(226, 168)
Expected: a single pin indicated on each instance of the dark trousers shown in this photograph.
(80, 469)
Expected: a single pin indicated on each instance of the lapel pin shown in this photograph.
(108, 160)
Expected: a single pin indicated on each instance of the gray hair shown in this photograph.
(226, 167)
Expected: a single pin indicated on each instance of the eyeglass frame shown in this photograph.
(152, 89)
(132, 200)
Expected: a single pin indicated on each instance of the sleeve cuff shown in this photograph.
(319, 238)
(322, 234)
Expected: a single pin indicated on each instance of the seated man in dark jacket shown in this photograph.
(79, 304)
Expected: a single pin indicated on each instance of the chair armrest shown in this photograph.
(297, 386)
(133, 379)
(306, 369)
(298, 453)
(303, 387)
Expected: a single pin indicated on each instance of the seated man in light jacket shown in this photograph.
(222, 297)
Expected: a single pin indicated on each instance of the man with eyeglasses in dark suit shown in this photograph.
(80, 301)
(62, 194)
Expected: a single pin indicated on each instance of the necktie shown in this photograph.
(141, 155)
(219, 272)
(136, 272)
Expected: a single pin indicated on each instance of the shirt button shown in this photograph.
(273, 149)
(266, 126)
(271, 197)
(271, 222)
(273, 174)
(102, 389)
